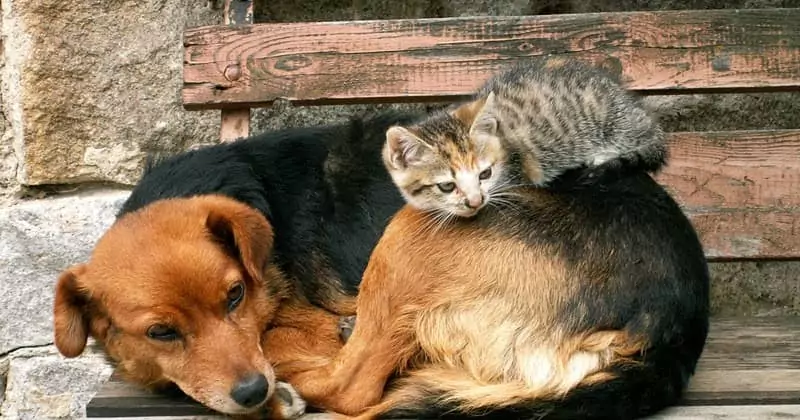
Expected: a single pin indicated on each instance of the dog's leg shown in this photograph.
(382, 342)
(303, 337)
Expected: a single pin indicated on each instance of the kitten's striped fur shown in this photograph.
(546, 116)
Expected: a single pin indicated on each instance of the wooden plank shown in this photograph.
(181, 417)
(742, 397)
(412, 60)
(746, 361)
(734, 412)
(764, 380)
(730, 234)
(752, 169)
(731, 412)
(754, 343)
(235, 122)
(741, 189)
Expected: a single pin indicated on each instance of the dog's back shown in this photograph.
(323, 189)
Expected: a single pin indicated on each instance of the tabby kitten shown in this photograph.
(526, 125)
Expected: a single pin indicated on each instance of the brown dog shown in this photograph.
(588, 301)
(184, 311)
(229, 266)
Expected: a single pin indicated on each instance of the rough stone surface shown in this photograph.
(91, 102)
(43, 384)
(13, 43)
(38, 239)
(755, 289)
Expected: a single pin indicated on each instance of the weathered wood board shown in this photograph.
(448, 58)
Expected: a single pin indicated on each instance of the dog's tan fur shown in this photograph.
(466, 325)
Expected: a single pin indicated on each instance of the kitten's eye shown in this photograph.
(446, 187)
(235, 295)
(162, 332)
(485, 174)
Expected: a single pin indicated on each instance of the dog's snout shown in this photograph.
(250, 390)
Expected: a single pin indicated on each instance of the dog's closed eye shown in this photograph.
(235, 295)
(162, 332)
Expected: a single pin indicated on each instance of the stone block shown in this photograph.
(40, 383)
(755, 288)
(38, 239)
(90, 87)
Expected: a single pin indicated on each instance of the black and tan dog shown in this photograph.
(216, 245)
(588, 300)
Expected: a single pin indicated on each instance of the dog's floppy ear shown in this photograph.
(70, 312)
(244, 232)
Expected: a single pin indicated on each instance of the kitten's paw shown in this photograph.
(346, 325)
(286, 402)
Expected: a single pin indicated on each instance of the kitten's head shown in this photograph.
(451, 162)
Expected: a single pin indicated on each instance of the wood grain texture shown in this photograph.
(442, 59)
(744, 234)
(753, 169)
(741, 190)
(746, 361)
(235, 122)
(730, 412)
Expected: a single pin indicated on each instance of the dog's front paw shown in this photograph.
(286, 402)
(346, 325)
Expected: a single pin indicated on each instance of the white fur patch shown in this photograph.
(291, 405)
(541, 371)
(468, 183)
(604, 156)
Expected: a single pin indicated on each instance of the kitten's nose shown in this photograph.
(474, 201)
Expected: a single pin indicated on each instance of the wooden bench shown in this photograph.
(740, 188)
(752, 362)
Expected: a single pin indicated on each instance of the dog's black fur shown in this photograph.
(323, 189)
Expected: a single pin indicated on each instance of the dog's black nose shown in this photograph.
(250, 390)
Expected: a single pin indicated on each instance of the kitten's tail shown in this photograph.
(634, 390)
(650, 159)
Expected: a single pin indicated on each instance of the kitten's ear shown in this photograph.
(403, 148)
(466, 113)
(484, 121)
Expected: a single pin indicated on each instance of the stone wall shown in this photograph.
(89, 87)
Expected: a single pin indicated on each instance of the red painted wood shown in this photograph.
(442, 59)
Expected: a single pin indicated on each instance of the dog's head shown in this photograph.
(179, 292)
